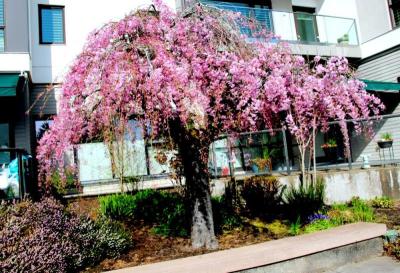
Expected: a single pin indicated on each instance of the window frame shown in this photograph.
(391, 13)
(3, 26)
(50, 7)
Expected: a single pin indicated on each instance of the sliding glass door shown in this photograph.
(4, 143)
(306, 24)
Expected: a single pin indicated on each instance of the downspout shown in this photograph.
(29, 32)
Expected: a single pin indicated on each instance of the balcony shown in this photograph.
(297, 27)
(14, 62)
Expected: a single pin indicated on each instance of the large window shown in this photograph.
(1, 26)
(51, 24)
(394, 9)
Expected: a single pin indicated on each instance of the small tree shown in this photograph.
(323, 93)
(187, 79)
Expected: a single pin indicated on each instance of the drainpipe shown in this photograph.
(28, 2)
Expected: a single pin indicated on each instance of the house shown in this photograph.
(40, 38)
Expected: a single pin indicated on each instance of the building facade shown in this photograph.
(40, 38)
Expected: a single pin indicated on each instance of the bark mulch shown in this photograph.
(152, 248)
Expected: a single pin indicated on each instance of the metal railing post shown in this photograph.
(285, 147)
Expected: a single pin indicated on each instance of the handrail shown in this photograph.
(221, 3)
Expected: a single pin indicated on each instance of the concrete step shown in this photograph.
(316, 252)
(374, 265)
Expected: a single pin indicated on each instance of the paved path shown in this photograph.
(374, 265)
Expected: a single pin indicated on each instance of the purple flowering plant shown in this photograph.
(317, 216)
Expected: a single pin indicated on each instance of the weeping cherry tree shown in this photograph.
(186, 79)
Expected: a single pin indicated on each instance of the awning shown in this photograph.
(390, 87)
(8, 85)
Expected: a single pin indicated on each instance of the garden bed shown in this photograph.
(149, 226)
(152, 248)
(149, 247)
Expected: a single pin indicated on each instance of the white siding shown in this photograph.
(50, 62)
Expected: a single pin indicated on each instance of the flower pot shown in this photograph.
(256, 169)
(330, 153)
(383, 144)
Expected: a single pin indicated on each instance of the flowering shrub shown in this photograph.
(44, 237)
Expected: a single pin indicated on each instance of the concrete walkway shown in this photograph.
(272, 252)
(374, 265)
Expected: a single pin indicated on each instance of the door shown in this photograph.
(306, 24)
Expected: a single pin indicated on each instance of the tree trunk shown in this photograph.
(192, 152)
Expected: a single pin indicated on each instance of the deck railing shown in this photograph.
(296, 26)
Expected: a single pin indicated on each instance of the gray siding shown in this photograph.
(23, 122)
(16, 25)
(364, 145)
(384, 68)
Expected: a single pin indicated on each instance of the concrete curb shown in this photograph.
(268, 253)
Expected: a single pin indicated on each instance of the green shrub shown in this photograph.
(165, 211)
(340, 214)
(356, 210)
(60, 186)
(295, 227)
(151, 205)
(278, 229)
(362, 211)
(117, 206)
(174, 221)
(305, 200)
(382, 202)
(225, 218)
(262, 194)
(318, 225)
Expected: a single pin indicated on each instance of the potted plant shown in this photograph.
(386, 141)
(344, 39)
(260, 164)
(330, 149)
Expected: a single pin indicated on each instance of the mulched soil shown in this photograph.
(390, 217)
(151, 248)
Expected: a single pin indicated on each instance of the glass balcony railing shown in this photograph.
(296, 26)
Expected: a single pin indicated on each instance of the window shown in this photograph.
(41, 126)
(1, 26)
(51, 24)
(394, 9)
